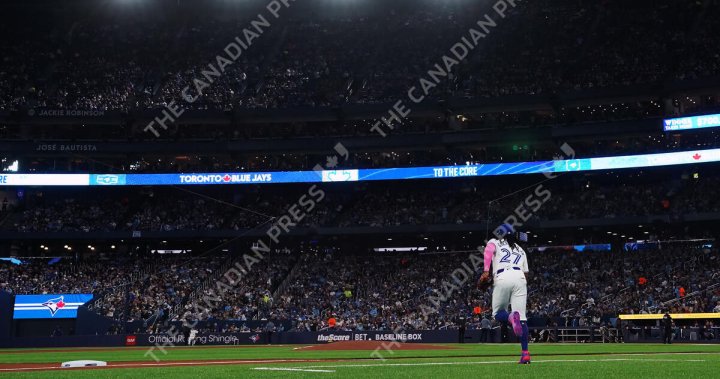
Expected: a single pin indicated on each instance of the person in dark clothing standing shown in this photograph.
(667, 323)
(186, 329)
(485, 330)
(461, 321)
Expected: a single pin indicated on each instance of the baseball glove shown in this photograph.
(484, 282)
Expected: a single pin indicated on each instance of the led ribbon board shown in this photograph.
(44, 179)
(675, 316)
(399, 173)
(49, 306)
(687, 123)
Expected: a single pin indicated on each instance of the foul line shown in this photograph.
(161, 364)
(290, 369)
(296, 361)
(495, 362)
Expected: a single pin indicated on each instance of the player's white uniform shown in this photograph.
(509, 265)
(191, 338)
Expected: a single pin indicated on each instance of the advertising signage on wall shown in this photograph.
(689, 123)
(49, 306)
(357, 175)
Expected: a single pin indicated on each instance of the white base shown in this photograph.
(83, 364)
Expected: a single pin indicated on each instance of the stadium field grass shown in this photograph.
(464, 361)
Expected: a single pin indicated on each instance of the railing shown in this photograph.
(200, 290)
(607, 298)
(587, 335)
(566, 313)
(288, 279)
(690, 295)
(98, 302)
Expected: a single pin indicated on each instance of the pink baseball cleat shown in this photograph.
(525, 358)
(515, 322)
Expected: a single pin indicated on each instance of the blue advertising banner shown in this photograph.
(355, 175)
(688, 123)
(48, 306)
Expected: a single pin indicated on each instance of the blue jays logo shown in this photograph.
(340, 176)
(573, 165)
(54, 305)
(107, 179)
(254, 338)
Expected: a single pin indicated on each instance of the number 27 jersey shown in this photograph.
(506, 256)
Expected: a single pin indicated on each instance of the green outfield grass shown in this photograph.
(465, 361)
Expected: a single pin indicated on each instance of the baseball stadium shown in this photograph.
(359, 188)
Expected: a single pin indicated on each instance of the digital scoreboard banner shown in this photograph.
(44, 179)
(49, 306)
(695, 122)
(398, 173)
(676, 316)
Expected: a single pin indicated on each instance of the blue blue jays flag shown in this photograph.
(49, 306)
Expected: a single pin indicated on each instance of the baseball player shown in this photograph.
(509, 267)
(193, 336)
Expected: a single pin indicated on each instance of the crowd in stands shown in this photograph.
(66, 276)
(424, 156)
(580, 289)
(74, 215)
(246, 299)
(672, 194)
(130, 287)
(380, 291)
(168, 283)
(546, 47)
(542, 47)
(587, 286)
